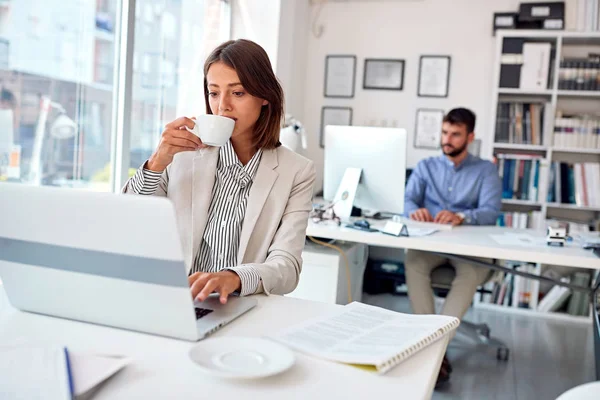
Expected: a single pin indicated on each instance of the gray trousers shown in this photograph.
(418, 266)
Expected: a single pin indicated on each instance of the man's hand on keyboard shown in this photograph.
(421, 215)
(448, 217)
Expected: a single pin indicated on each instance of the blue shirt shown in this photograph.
(473, 188)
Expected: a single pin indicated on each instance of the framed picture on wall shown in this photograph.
(340, 73)
(428, 128)
(383, 74)
(334, 116)
(434, 76)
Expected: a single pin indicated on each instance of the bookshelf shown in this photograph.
(525, 92)
(578, 93)
(517, 202)
(575, 150)
(516, 146)
(524, 119)
(572, 207)
(564, 45)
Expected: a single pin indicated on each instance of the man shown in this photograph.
(455, 188)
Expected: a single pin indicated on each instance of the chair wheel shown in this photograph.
(502, 354)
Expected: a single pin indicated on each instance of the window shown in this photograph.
(56, 91)
(58, 83)
(169, 83)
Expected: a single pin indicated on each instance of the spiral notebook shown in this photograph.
(367, 337)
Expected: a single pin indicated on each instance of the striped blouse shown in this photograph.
(221, 240)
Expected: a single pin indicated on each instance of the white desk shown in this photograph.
(471, 241)
(161, 368)
(467, 241)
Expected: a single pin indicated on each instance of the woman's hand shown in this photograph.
(202, 284)
(174, 139)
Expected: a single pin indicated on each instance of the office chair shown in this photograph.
(441, 282)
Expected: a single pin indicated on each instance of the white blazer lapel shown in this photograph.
(261, 187)
(203, 180)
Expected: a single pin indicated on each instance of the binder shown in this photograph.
(512, 60)
(536, 66)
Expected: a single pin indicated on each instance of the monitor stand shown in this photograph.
(346, 193)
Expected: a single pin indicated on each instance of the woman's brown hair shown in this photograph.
(253, 67)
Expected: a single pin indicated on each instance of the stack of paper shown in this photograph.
(368, 337)
(35, 373)
(52, 372)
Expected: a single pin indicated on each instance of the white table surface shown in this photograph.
(588, 391)
(468, 241)
(162, 369)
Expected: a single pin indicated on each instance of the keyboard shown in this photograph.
(201, 312)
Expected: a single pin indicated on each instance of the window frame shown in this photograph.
(123, 92)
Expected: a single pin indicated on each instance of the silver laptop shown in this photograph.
(108, 259)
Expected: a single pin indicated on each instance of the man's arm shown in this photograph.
(415, 191)
(489, 202)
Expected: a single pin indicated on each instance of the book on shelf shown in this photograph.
(556, 298)
(580, 74)
(574, 227)
(577, 131)
(536, 66)
(566, 300)
(588, 15)
(511, 290)
(525, 64)
(514, 291)
(521, 220)
(520, 123)
(526, 290)
(577, 184)
(511, 62)
(520, 175)
(579, 303)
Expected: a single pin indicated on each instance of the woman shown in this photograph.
(242, 209)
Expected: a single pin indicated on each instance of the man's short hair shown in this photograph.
(461, 116)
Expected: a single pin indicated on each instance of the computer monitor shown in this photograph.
(380, 153)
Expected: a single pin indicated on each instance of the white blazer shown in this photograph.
(274, 227)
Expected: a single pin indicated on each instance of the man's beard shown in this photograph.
(452, 151)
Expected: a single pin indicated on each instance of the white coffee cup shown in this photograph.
(213, 130)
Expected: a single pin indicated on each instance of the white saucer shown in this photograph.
(240, 357)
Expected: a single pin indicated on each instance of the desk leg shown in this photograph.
(596, 319)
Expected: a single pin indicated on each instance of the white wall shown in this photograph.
(280, 27)
(257, 20)
(403, 30)
(292, 53)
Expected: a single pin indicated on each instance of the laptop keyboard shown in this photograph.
(201, 312)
